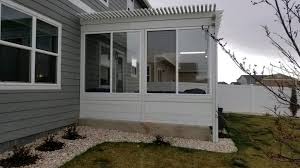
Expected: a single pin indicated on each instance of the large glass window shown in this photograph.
(16, 27)
(22, 62)
(161, 61)
(170, 59)
(193, 61)
(14, 64)
(46, 36)
(126, 62)
(97, 66)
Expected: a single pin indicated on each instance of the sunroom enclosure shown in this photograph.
(150, 66)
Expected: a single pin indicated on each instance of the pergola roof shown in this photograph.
(176, 10)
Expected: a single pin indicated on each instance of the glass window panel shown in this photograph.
(193, 62)
(14, 64)
(45, 68)
(16, 27)
(46, 36)
(97, 64)
(161, 61)
(126, 62)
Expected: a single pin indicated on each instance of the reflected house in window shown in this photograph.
(122, 70)
(161, 57)
(98, 62)
(193, 61)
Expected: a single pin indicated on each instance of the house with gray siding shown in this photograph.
(106, 62)
(33, 103)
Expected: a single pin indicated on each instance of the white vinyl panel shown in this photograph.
(114, 110)
(178, 113)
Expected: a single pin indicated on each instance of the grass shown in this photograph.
(250, 133)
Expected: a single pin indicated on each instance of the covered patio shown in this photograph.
(155, 66)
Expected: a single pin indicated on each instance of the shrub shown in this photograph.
(71, 133)
(50, 144)
(21, 157)
(159, 140)
(294, 106)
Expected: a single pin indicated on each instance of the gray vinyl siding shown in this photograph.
(28, 112)
(97, 5)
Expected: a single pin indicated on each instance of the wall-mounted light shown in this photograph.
(191, 53)
(134, 63)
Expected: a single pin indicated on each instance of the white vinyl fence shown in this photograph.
(248, 99)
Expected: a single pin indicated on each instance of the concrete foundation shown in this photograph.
(174, 130)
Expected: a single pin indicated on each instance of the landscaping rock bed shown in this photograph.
(96, 136)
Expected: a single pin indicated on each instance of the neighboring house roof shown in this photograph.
(250, 79)
(278, 77)
(274, 77)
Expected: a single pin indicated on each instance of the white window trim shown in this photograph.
(105, 3)
(32, 85)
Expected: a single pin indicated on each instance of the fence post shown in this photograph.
(252, 97)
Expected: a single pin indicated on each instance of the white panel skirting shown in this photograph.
(172, 109)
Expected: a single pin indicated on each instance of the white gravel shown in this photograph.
(96, 136)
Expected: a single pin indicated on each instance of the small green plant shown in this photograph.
(50, 144)
(159, 140)
(21, 156)
(71, 133)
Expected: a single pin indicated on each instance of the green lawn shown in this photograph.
(250, 133)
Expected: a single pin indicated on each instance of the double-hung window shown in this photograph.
(30, 49)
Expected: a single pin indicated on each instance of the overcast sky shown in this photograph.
(241, 27)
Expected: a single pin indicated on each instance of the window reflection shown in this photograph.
(161, 62)
(14, 64)
(16, 27)
(193, 62)
(45, 68)
(98, 63)
(46, 36)
(126, 54)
